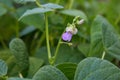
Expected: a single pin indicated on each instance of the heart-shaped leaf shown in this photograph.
(96, 69)
(111, 40)
(3, 68)
(96, 47)
(104, 38)
(49, 73)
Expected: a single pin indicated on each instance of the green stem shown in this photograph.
(38, 3)
(71, 4)
(103, 55)
(20, 75)
(56, 51)
(66, 43)
(47, 37)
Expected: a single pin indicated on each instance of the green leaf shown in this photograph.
(16, 78)
(68, 54)
(104, 38)
(111, 40)
(42, 54)
(49, 73)
(24, 1)
(96, 69)
(27, 30)
(96, 48)
(19, 50)
(3, 68)
(68, 69)
(2, 10)
(6, 3)
(75, 13)
(13, 68)
(34, 66)
(84, 48)
(35, 11)
(52, 6)
(36, 20)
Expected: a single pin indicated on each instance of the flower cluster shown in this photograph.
(71, 30)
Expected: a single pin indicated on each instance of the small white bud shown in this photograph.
(75, 30)
(72, 30)
(80, 22)
(69, 29)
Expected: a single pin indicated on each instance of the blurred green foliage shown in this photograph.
(10, 11)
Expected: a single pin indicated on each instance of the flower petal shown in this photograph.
(67, 36)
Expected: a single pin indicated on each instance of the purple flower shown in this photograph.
(67, 36)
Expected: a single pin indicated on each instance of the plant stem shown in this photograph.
(56, 51)
(103, 55)
(47, 37)
(71, 4)
(38, 3)
(20, 75)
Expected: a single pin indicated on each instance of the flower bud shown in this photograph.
(72, 30)
(80, 22)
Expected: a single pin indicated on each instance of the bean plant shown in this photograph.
(53, 41)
